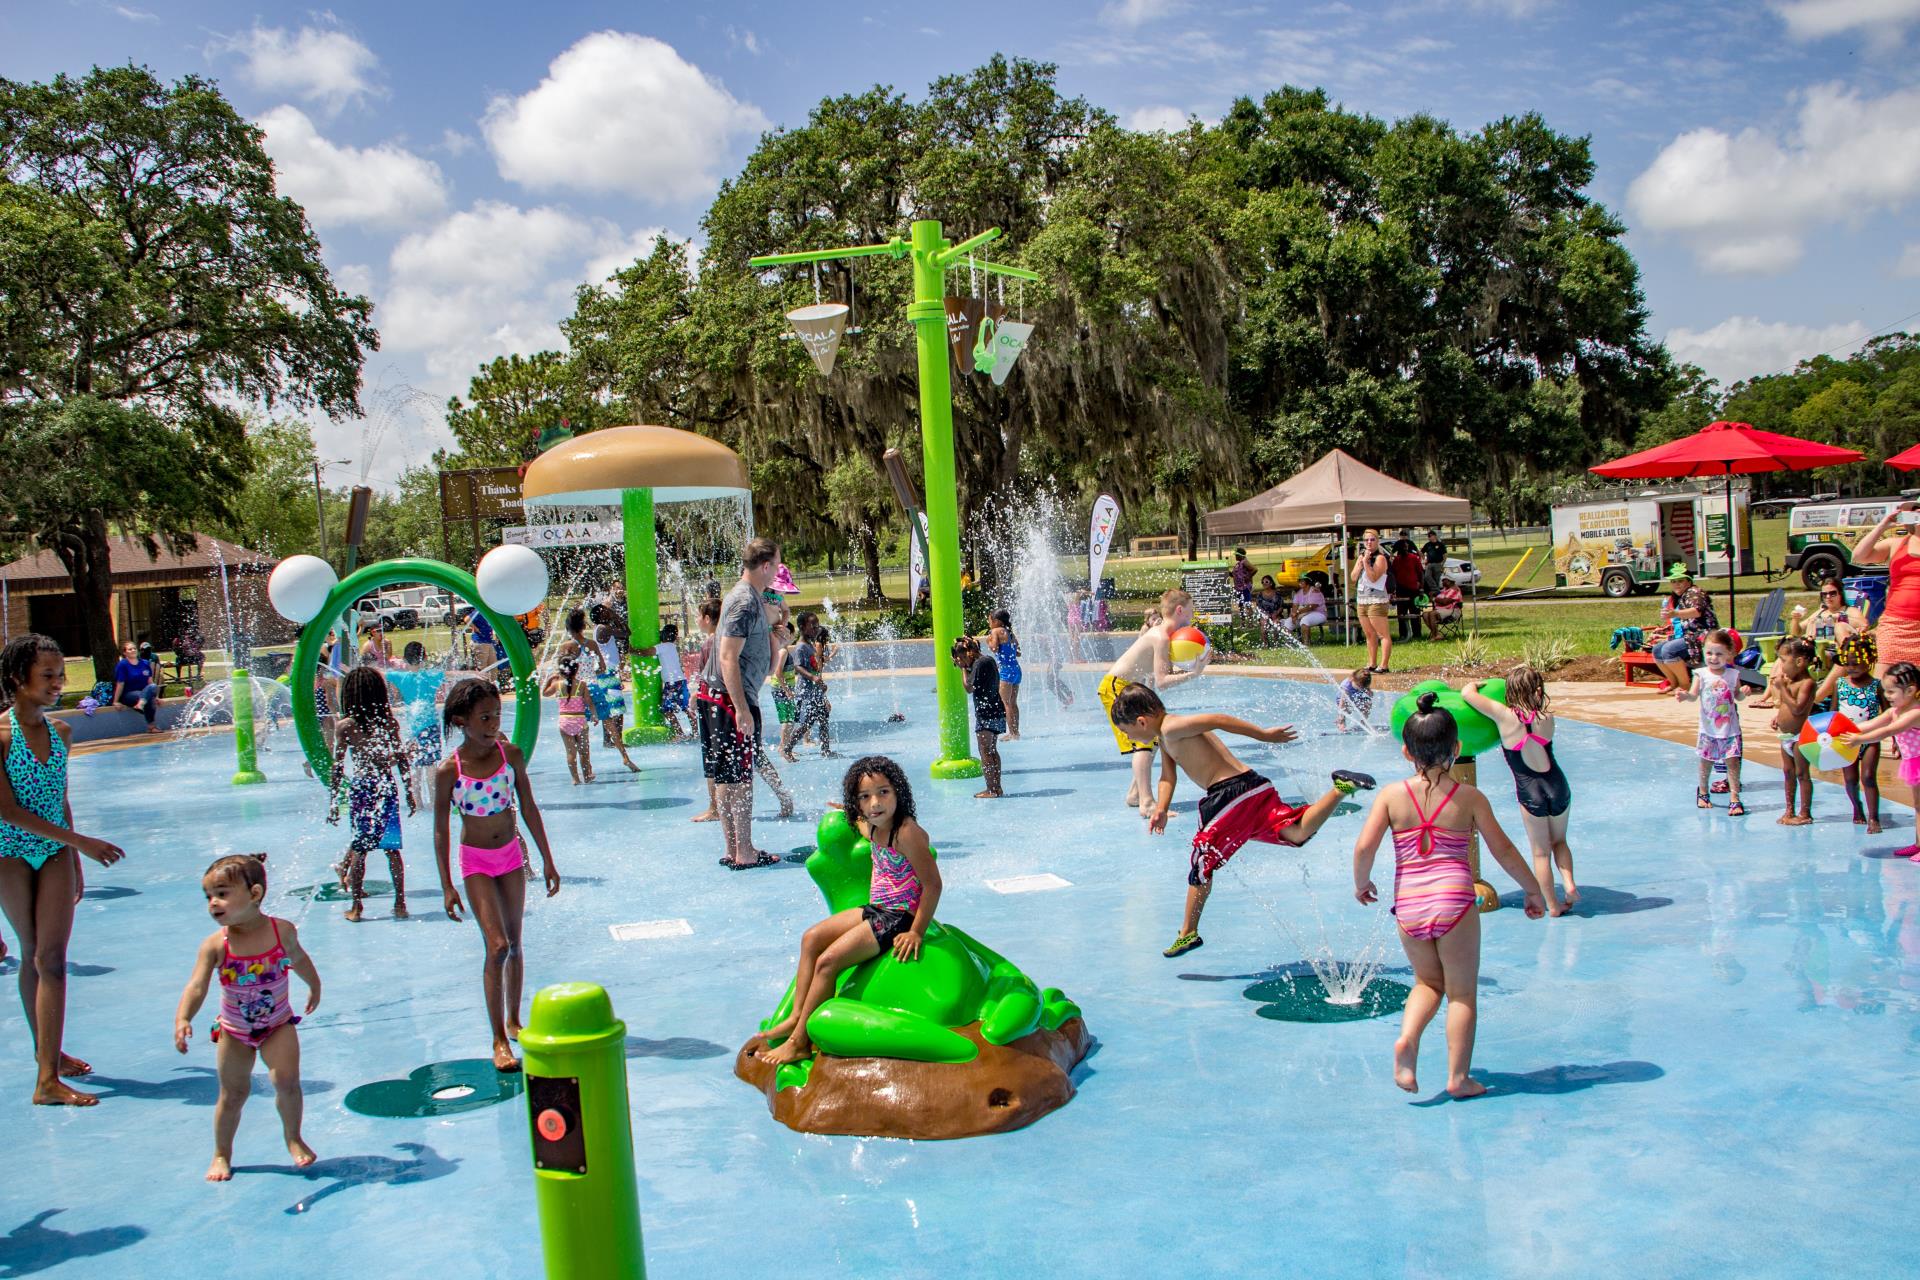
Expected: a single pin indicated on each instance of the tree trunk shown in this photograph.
(1193, 530)
(85, 553)
(870, 552)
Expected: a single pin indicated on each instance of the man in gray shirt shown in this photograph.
(729, 700)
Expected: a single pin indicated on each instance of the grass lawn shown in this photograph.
(1578, 622)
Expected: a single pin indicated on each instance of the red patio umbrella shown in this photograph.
(1727, 449)
(1906, 459)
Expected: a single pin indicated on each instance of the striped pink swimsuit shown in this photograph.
(1432, 886)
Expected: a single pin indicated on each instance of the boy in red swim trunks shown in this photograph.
(1239, 806)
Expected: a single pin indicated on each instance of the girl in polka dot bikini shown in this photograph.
(482, 779)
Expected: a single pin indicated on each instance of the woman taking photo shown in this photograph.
(1898, 631)
(1372, 593)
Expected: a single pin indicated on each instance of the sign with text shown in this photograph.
(483, 493)
(1211, 589)
(567, 527)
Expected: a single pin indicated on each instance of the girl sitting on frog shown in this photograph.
(906, 888)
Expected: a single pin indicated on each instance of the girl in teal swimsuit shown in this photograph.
(40, 877)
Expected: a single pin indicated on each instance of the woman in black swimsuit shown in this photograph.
(1526, 739)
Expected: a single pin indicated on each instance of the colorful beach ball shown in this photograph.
(1186, 647)
(1817, 741)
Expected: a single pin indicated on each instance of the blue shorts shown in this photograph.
(606, 695)
(1670, 650)
(674, 694)
(428, 745)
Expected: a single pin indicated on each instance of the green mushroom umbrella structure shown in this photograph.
(637, 468)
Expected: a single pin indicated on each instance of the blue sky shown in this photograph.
(467, 164)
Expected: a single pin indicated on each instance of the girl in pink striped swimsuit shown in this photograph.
(904, 891)
(1433, 818)
(252, 953)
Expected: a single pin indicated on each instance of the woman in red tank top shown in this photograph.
(1898, 631)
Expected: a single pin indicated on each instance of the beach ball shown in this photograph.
(1817, 741)
(299, 587)
(1478, 734)
(512, 579)
(1186, 647)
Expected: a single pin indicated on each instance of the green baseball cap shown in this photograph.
(1678, 572)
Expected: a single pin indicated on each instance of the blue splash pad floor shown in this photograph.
(1709, 1069)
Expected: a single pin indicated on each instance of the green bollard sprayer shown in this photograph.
(576, 1069)
(246, 768)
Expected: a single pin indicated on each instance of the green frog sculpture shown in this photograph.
(956, 1043)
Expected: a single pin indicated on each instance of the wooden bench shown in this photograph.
(1639, 660)
(1642, 660)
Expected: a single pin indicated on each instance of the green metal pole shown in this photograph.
(928, 312)
(645, 723)
(246, 768)
(576, 1069)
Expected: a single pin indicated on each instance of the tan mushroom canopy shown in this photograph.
(593, 469)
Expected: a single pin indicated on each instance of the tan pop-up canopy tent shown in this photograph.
(1337, 491)
(1340, 492)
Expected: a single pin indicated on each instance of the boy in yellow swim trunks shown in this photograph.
(1148, 660)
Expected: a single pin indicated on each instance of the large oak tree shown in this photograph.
(151, 278)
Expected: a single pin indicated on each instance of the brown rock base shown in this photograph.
(1007, 1087)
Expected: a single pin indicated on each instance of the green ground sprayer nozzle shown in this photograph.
(246, 767)
(576, 1068)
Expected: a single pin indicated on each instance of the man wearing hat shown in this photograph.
(1242, 576)
(1689, 610)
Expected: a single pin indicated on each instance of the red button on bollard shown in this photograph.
(552, 1125)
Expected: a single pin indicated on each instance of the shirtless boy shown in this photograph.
(1239, 806)
(1148, 661)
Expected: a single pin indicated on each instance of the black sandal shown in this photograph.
(1736, 810)
(1700, 801)
(765, 859)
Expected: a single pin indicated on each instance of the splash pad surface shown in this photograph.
(1733, 1000)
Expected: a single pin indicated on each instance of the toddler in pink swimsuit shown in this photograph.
(252, 953)
(1433, 816)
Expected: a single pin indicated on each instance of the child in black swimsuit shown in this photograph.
(1526, 740)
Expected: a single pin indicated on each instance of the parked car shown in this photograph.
(390, 616)
(437, 609)
(1820, 537)
(1463, 572)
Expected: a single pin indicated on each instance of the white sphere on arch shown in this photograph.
(299, 587)
(512, 579)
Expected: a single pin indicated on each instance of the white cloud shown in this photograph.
(353, 277)
(743, 38)
(622, 253)
(384, 185)
(1156, 119)
(135, 15)
(319, 64)
(1884, 20)
(1908, 268)
(456, 143)
(1136, 13)
(1746, 201)
(1747, 347)
(620, 112)
(494, 279)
